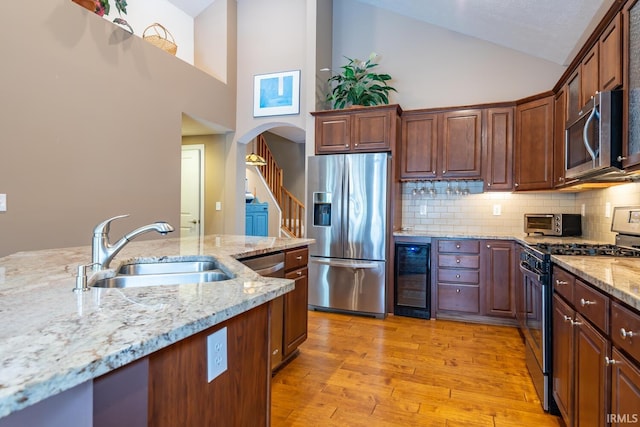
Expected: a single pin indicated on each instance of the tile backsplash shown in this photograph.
(474, 213)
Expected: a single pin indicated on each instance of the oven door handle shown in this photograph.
(524, 267)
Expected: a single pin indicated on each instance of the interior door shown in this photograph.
(191, 191)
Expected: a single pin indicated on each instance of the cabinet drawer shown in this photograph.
(459, 261)
(625, 329)
(296, 274)
(459, 246)
(458, 276)
(296, 258)
(563, 283)
(592, 305)
(459, 298)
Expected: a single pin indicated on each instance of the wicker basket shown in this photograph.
(161, 37)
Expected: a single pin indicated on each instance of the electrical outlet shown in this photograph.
(423, 210)
(497, 210)
(218, 206)
(216, 354)
(583, 211)
(607, 210)
(3, 202)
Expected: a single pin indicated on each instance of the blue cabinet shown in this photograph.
(257, 219)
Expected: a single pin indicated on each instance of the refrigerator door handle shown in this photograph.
(344, 264)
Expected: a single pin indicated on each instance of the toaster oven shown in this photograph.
(553, 224)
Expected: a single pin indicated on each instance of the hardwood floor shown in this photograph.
(358, 371)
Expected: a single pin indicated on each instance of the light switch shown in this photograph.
(3, 202)
(497, 210)
(218, 206)
(423, 210)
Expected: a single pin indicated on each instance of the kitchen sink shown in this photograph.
(168, 267)
(139, 280)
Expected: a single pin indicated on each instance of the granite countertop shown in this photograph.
(54, 339)
(619, 277)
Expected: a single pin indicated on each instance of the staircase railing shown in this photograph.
(292, 208)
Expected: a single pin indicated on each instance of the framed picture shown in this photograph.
(276, 94)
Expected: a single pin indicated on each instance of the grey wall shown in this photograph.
(90, 122)
(434, 67)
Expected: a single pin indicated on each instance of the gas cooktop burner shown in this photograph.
(586, 249)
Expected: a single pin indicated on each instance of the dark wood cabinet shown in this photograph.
(461, 147)
(563, 358)
(534, 145)
(574, 95)
(180, 394)
(590, 69)
(559, 125)
(631, 43)
(498, 278)
(610, 45)
(458, 276)
(296, 302)
(357, 129)
(498, 149)
(625, 390)
(419, 146)
(591, 380)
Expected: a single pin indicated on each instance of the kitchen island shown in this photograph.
(54, 339)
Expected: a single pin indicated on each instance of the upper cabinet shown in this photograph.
(357, 129)
(498, 149)
(443, 145)
(559, 120)
(534, 145)
(631, 147)
(610, 76)
(590, 68)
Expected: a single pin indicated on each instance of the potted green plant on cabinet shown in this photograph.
(358, 84)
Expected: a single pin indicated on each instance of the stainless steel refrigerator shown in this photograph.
(349, 199)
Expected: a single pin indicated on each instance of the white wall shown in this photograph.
(434, 67)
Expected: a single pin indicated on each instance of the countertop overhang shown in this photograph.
(54, 339)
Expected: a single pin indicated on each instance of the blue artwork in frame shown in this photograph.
(276, 94)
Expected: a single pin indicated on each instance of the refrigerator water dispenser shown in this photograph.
(322, 209)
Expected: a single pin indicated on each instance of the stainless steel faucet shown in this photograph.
(103, 252)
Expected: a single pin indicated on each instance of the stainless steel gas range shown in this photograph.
(534, 313)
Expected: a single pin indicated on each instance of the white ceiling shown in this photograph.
(550, 29)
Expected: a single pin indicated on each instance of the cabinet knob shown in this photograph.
(346, 145)
(567, 318)
(584, 302)
(624, 333)
(299, 273)
(575, 323)
(621, 158)
(457, 276)
(457, 291)
(299, 258)
(458, 246)
(488, 184)
(609, 362)
(561, 282)
(457, 261)
(443, 172)
(434, 172)
(561, 179)
(516, 184)
(356, 144)
(488, 246)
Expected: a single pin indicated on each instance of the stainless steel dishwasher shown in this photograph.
(271, 265)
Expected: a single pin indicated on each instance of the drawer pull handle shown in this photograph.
(610, 362)
(457, 276)
(624, 333)
(575, 323)
(275, 352)
(299, 273)
(561, 282)
(457, 246)
(457, 291)
(299, 258)
(457, 261)
(568, 318)
(584, 302)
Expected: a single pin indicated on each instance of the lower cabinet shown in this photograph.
(596, 377)
(475, 279)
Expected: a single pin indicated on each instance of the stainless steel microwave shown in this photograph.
(553, 224)
(593, 141)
